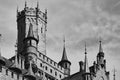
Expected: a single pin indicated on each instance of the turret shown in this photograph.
(30, 51)
(65, 63)
(15, 66)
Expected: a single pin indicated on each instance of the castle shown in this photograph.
(31, 62)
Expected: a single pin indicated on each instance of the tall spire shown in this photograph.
(37, 4)
(64, 57)
(17, 11)
(100, 46)
(25, 4)
(86, 69)
(114, 74)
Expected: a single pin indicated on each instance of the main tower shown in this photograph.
(36, 18)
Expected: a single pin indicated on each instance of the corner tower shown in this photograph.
(65, 63)
(39, 21)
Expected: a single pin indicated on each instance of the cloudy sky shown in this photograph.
(79, 21)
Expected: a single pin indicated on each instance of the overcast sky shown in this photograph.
(79, 21)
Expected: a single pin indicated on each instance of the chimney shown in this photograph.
(81, 64)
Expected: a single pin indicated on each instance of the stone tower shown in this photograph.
(65, 63)
(38, 20)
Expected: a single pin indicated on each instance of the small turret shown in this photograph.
(30, 75)
(100, 55)
(30, 51)
(65, 63)
(15, 66)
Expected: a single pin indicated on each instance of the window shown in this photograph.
(47, 59)
(60, 76)
(12, 74)
(18, 76)
(51, 61)
(50, 70)
(54, 63)
(6, 72)
(43, 56)
(22, 78)
(46, 68)
(39, 55)
(40, 64)
(55, 73)
(0, 68)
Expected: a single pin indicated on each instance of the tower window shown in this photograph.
(50, 70)
(60, 76)
(51, 61)
(46, 68)
(55, 73)
(39, 55)
(6, 72)
(54, 63)
(12, 74)
(18, 76)
(40, 64)
(47, 59)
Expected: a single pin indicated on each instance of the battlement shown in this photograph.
(33, 12)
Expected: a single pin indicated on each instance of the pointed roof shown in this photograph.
(86, 68)
(101, 53)
(30, 32)
(64, 56)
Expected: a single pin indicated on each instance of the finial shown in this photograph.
(100, 47)
(114, 74)
(37, 4)
(45, 11)
(64, 40)
(17, 8)
(25, 4)
(85, 48)
(0, 44)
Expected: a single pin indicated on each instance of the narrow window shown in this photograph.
(50, 70)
